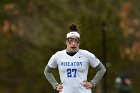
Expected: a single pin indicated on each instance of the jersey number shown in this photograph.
(71, 72)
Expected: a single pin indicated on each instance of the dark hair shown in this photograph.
(73, 27)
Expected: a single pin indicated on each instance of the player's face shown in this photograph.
(73, 44)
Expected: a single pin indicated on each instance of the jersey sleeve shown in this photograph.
(53, 61)
(93, 60)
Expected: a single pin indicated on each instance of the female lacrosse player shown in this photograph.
(73, 64)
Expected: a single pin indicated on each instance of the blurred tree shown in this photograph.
(129, 24)
(32, 30)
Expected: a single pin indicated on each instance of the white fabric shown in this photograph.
(73, 34)
(73, 70)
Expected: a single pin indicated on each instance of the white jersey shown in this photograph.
(73, 70)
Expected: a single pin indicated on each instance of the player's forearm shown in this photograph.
(100, 72)
(50, 77)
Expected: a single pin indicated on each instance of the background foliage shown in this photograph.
(32, 30)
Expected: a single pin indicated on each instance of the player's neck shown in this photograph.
(71, 53)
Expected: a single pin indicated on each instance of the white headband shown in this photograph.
(73, 35)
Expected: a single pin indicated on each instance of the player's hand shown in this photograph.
(59, 87)
(87, 84)
(127, 81)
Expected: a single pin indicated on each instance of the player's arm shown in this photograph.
(48, 73)
(95, 63)
(100, 72)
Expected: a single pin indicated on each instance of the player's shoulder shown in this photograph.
(86, 52)
(58, 53)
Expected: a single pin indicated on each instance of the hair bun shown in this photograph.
(73, 27)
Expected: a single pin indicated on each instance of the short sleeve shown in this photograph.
(53, 61)
(93, 60)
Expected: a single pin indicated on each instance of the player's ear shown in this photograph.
(79, 42)
(65, 42)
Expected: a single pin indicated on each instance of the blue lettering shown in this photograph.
(71, 63)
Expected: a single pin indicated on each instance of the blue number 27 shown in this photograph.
(71, 72)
